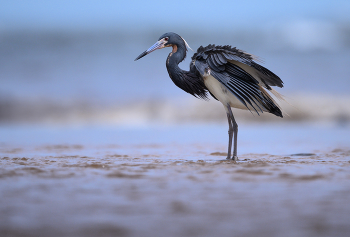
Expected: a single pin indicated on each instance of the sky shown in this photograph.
(140, 14)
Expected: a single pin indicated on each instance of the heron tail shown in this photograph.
(272, 107)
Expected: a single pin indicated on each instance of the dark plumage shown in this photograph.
(228, 74)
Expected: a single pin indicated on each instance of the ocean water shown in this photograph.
(100, 66)
(91, 76)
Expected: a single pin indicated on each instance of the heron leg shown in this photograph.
(230, 133)
(233, 129)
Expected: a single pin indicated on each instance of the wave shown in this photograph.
(315, 108)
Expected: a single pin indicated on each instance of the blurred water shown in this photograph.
(278, 139)
(54, 62)
(101, 67)
(79, 71)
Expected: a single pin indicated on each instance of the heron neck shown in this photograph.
(175, 57)
(185, 80)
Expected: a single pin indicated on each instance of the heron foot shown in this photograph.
(234, 158)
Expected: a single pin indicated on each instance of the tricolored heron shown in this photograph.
(230, 75)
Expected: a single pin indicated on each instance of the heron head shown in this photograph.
(166, 40)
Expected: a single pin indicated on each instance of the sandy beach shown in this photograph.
(118, 183)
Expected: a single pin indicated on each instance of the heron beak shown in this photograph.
(158, 45)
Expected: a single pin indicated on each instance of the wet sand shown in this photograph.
(162, 186)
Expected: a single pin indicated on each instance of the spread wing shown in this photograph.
(240, 74)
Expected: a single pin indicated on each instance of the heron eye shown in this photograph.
(166, 38)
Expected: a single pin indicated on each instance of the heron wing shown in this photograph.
(218, 57)
(220, 62)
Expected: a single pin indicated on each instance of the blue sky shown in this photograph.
(140, 14)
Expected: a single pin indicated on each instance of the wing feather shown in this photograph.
(236, 89)
(222, 59)
(222, 79)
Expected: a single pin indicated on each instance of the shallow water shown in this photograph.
(174, 181)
